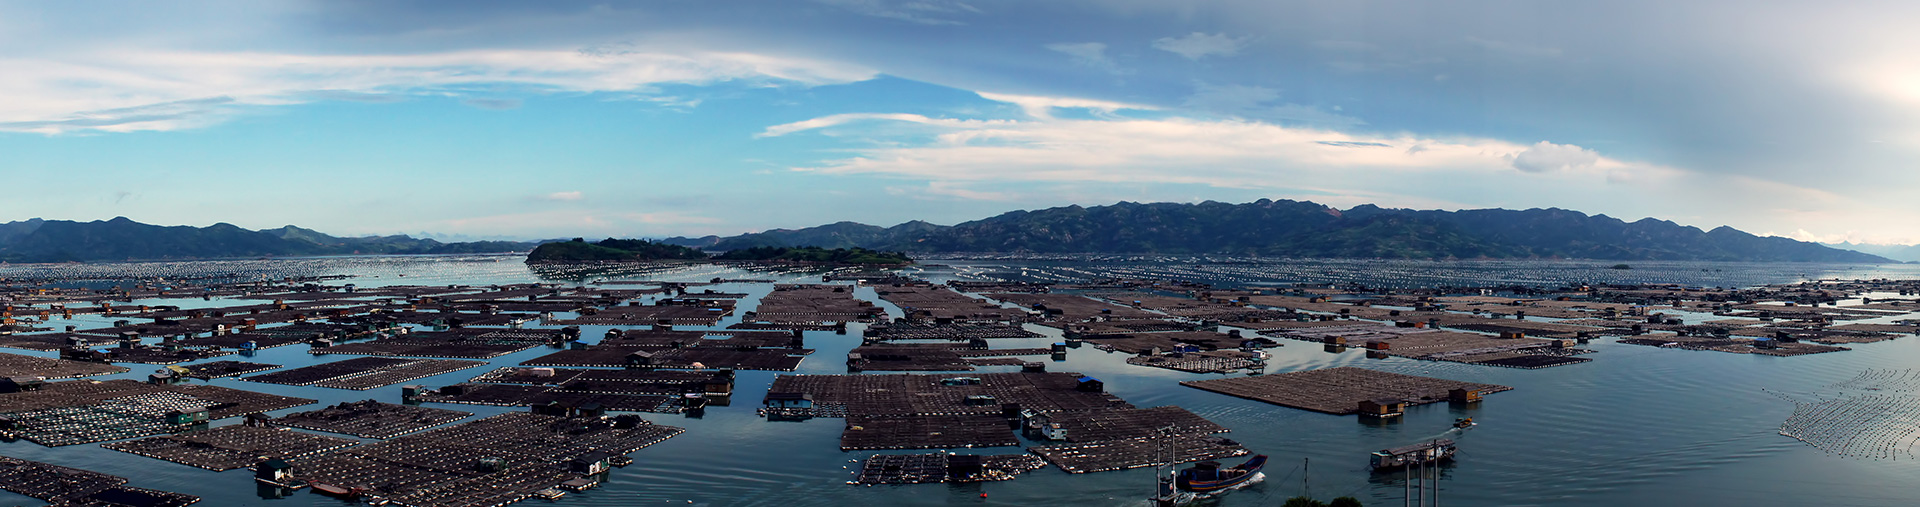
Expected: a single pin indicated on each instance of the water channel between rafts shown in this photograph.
(1636, 426)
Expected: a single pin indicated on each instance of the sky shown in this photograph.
(485, 119)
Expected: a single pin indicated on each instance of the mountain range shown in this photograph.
(119, 239)
(1285, 228)
(1271, 228)
(1903, 253)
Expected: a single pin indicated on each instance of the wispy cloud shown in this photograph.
(1261, 103)
(1090, 54)
(132, 90)
(1197, 45)
(949, 190)
(925, 12)
(575, 195)
(1235, 153)
(493, 104)
(158, 116)
(1515, 49)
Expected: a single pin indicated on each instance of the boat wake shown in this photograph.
(1257, 478)
(1189, 497)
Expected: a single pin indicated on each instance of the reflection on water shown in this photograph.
(1638, 425)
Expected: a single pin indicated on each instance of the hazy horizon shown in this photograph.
(455, 237)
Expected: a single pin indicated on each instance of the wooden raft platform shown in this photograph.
(1106, 455)
(364, 373)
(442, 467)
(221, 369)
(16, 365)
(60, 485)
(229, 447)
(1338, 391)
(371, 419)
(940, 467)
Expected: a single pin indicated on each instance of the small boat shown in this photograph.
(1464, 423)
(620, 461)
(1207, 476)
(336, 491)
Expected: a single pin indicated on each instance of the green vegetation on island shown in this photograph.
(610, 249)
(815, 254)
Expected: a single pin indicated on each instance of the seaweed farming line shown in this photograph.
(1863, 426)
(1907, 380)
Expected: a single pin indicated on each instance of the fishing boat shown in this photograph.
(1207, 476)
(1463, 423)
(337, 491)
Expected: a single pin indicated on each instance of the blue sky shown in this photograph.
(558, 119)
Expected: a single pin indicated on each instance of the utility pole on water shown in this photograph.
(1420, 489)
(1306, 472)
(1436, 476)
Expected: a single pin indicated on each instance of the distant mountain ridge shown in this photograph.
(1285, 228)
(119, 239)
(1904, 253)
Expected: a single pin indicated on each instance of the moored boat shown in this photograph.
(1207, 476)
(336, 491)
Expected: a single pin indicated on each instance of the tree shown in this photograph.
(1301, 501)
(1345, 501)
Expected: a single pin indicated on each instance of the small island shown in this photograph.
(579, 250)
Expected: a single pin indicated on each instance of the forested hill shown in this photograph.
(1285, 228)
(122, 239)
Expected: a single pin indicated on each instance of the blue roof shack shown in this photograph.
(789, 400)
(1090, 385)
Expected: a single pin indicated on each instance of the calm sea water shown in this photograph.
(1637, 426)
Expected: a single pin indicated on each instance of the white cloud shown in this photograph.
(131, 90)
(1197, 45)
(986, 159)
(1090, 54)
(949, 190)
(1042, 107)
(1233, 153)
(575, 195)
(1545, 156)
(842, 119)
